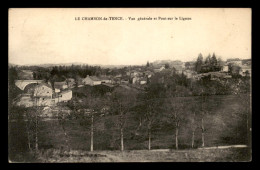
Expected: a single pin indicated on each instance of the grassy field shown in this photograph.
(195, 155)
(225, 125)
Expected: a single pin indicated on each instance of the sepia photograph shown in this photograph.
(89, 85)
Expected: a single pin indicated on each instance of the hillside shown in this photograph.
(225, 125)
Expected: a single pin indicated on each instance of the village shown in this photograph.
(48, 95)
(115, 107)
(136, 78)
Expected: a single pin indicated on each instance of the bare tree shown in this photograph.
(62, 120)
(203, 113)
(150, 117)
(122, 102)
(92, 106)
(176, 114)
(194, 127)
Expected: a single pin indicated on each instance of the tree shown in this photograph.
(93, 105)
(208, 60)
(187, 65)
(213, 60)
(199, 63)
(204, 111)
(122, 101)
(149, 108)
(62, 120)
(175, 107)
(147, 64)
(167, 66)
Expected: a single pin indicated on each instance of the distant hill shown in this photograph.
(69, 64)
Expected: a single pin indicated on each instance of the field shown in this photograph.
(225, 125)
(195, 155)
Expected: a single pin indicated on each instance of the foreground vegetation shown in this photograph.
(201, 155)
(225, 125)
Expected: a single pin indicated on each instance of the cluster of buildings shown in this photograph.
(39, 93)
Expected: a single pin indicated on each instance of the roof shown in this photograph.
(60, 83)
(32, 86)
(94, 78)
(65, 91)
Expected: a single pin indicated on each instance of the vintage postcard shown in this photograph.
(129, 85)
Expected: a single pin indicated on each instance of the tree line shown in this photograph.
(209, 64)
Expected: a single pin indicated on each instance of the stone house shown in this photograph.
(91, 80)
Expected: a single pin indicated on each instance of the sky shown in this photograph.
(40, 36)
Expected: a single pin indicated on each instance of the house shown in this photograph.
(118, 76)
(56, 90)
(156, 70)
(124, 81)
(41, 94)
(143, 81)
(148, 73)
(178, 69)
(235, 61)
(70, 82)
(91, 80)
(224, 68)
(135, 80)
(64, 96)
(80, 82)
(43, 90)
(189, 73)
(162, 68)
(60, 85)
(246, 62)
(105, 80)
(245, 70)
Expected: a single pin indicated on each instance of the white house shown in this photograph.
(143, 81)
(225, 68)
(57, 90)
(41, 94)
(64, 96)
(42, 90)
(91, 80)
(135, 80)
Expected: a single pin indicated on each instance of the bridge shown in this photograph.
(21, 84)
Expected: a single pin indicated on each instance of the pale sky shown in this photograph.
(39, 36)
